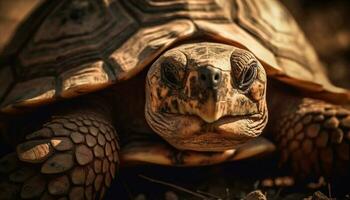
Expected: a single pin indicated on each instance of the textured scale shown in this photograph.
(21, 175)
(83, 154)
(98, 151)
(317, 145)
(88, 52)
(72, 169)
(33, 187)
(59, 185)
(77, 137)
(78, 176)
(58, 163)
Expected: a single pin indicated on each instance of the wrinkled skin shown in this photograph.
(206, 97)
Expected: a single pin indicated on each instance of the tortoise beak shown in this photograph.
(212, 111)
(209, 80)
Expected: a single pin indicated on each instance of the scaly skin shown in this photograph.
(74, 155)
(312, 136)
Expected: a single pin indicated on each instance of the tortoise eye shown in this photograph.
(170, 74)
(248, 77)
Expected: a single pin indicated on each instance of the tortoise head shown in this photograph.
(206, 97)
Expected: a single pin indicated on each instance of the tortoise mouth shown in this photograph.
(212, 126)
(226, 133)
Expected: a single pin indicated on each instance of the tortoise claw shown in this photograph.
(34, 151)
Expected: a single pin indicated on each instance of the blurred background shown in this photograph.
(326, 24)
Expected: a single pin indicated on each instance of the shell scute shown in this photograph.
(69, 54)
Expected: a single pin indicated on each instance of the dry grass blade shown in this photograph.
(174, 186)
(228, 194)
(329, 191)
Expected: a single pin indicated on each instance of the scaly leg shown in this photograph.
(75, 155)
(314, 137)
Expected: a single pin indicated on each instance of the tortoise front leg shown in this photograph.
(314, 137)
(74, 155)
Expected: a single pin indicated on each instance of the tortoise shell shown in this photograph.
(68, 48)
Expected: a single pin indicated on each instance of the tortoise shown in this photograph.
(177, 83)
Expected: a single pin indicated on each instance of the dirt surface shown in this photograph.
(230, 181)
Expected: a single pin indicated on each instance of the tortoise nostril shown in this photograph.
(209, 77)
(217, 77)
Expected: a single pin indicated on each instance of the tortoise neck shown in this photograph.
(281, 98)
(129, 105)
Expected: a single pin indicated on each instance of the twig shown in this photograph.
(228, 195)
(256, 184)
(209, 194)
(174, 186)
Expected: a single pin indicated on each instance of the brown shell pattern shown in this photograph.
(68, 48)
